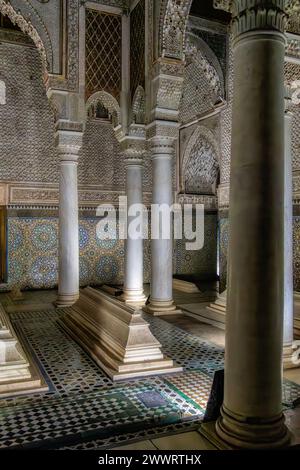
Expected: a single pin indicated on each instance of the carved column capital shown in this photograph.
(68, 138)
(252, 15)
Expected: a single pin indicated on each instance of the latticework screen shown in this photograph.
(103, 53)
(137, 47)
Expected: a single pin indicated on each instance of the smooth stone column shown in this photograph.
(161, 298)
(133, 291)
(251, 415)
(288, 329)
(69, 144)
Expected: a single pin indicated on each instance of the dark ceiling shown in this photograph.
(205, 9)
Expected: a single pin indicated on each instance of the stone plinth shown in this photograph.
(116, 336)
(185, 286)
(17, 374)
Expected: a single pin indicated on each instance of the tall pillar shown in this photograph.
(69, 142)
(133, 292)
(161, 298)
(288, 328)
(251, 415)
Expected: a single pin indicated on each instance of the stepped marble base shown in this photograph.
(134, 298)
(213, 314)
(116, 336)
(185, 286)
(17, 373)
(159, 308)
(66, 300)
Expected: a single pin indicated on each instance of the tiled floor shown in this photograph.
(84, 410)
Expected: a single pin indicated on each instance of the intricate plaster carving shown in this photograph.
(249, 15)
(109, 102)
(70, 82)
(174, 17)
(209, 202)
(200, 164)
(16, 18)
(138, 106)
(209, 71)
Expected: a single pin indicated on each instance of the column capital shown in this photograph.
(133, 149)
(161, 129)
(68, 138)
(256, 15)
(162, 147)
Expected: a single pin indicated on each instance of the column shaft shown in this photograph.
(288, 335)
(252, 410)
(69, 144)
(134, 247)
(161, 299)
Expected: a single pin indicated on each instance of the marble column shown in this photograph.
(251, 415)
(133, 292)
(288, 329)
(161, 298)
(69, 142)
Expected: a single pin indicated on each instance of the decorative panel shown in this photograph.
(33, 254)
(103, 52)
(202, 263)
(27, 150)
(137, 47)
(200, 165)
(101, 161)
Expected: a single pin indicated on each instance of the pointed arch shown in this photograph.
(26, 26)
(108, 102)
(200, 164)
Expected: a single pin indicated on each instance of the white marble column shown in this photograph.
(69, 143)
(251, 415)
(161, 298)
(133, 292)
(288, 329)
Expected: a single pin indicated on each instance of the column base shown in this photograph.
(260, 433)
(66, 300)
(159, 308)
(208, 430)
(291, 356)
(133, 297)
(116, 336)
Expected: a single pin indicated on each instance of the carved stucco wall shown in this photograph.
(200, 163)
(201, 263)
(203, 80)
(27, 149)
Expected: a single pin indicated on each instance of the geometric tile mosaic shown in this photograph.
(83, 409)
(33, 253)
